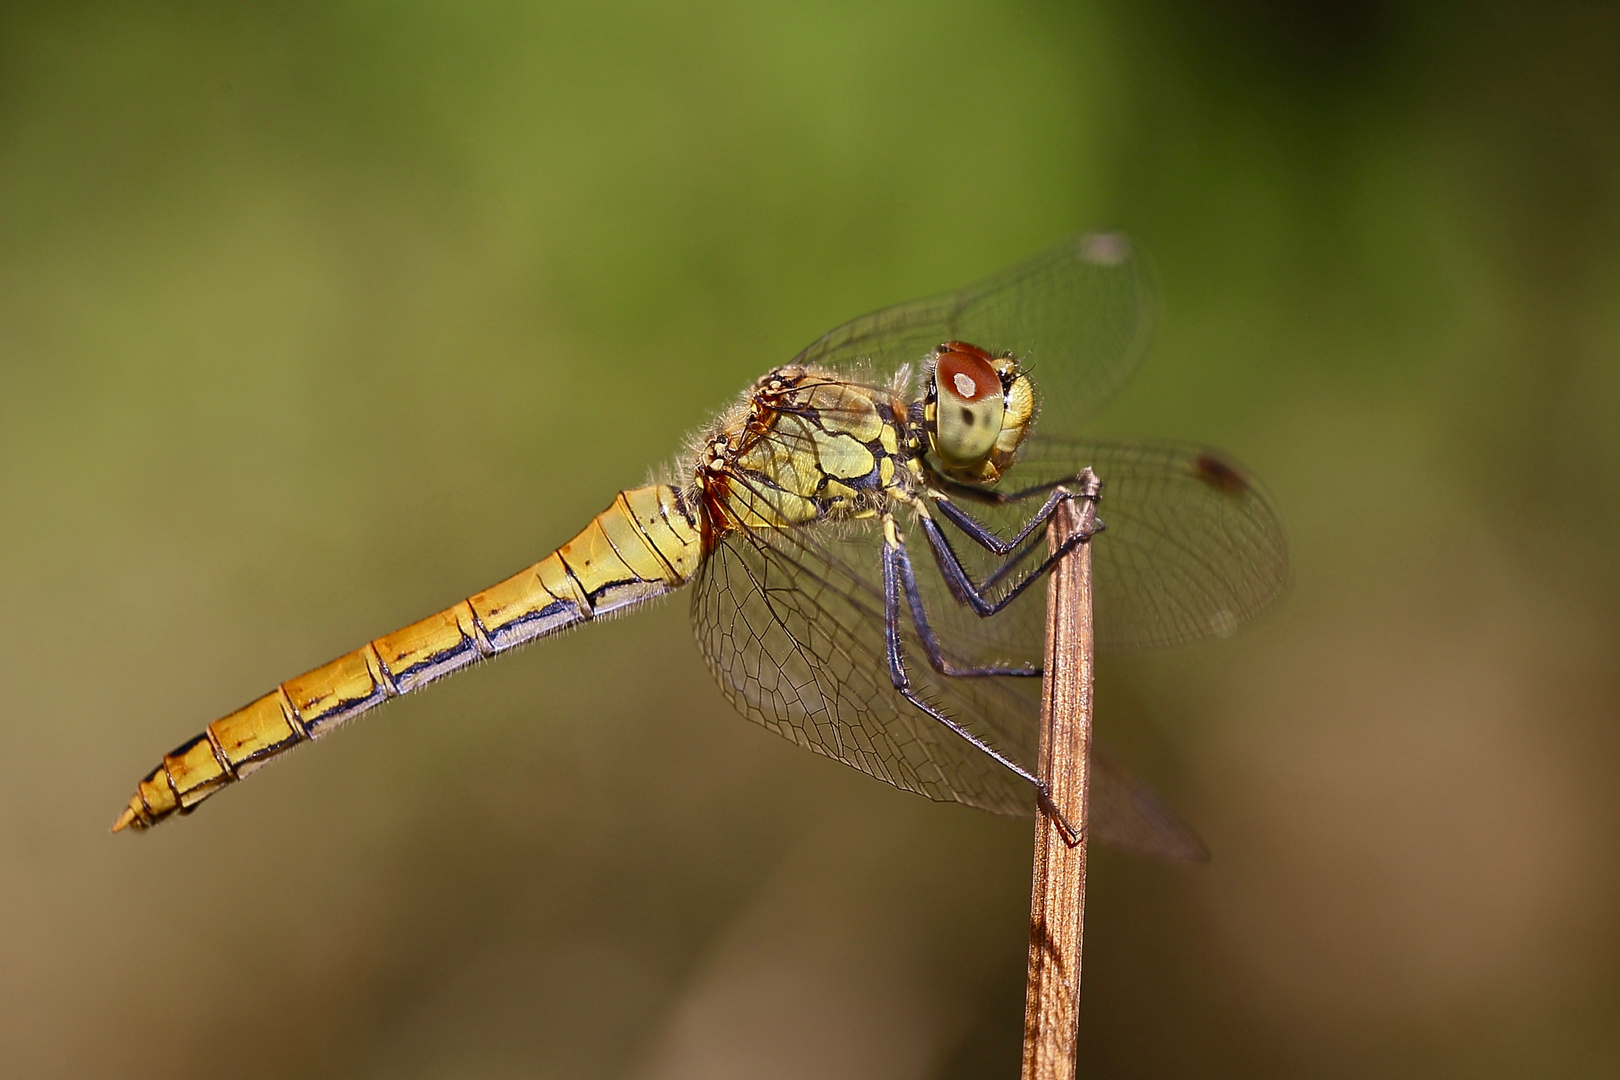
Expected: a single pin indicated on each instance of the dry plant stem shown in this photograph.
(1058, 894)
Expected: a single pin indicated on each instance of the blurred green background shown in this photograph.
(315, 318)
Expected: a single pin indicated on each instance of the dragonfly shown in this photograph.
(945, 429)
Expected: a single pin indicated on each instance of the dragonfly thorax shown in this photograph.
(805, 445)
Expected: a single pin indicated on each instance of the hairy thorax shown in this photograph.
(806, 445)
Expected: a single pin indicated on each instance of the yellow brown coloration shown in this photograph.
(804, 445)
(830, 636)
(807, 444)
(644, 545)
(813, 446)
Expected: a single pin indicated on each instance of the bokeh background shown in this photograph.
(315, 318)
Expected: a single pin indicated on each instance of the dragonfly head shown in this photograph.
(976, 411)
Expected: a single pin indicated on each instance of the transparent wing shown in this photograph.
(791, 622)
(1191, 550)
(795, 637)
(1078, 314)
(1192, 547)
(1127, 814)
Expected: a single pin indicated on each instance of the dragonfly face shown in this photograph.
(795, 522)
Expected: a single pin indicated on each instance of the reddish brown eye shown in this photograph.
(964, 372)
(969, 406)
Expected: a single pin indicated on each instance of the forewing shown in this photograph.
(1078, 315)
(1192, 547)
(795, 639)
(791, 623)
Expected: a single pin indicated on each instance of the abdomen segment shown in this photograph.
(644, 545)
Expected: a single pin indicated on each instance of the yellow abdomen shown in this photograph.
(644, 545)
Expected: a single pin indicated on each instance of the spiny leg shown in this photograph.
(1014, 551)
(893, 554)
(973, 595)
(986, 538)
(925, 632)
(1087, 486)
(957, 579)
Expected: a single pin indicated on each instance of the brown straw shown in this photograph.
(1058, 893)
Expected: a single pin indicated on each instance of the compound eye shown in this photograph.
(969, 405)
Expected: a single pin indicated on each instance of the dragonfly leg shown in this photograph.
(893, 557)
(986, 538)
(1085, 485)
(974, 595)
(901, 559)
